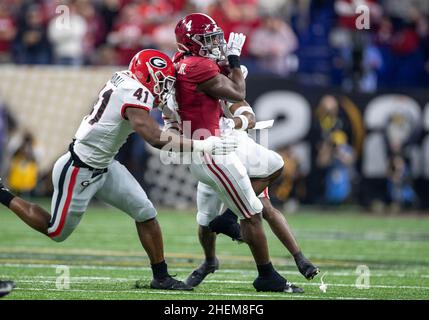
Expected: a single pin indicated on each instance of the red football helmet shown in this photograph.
(199, 34)
(155, 71)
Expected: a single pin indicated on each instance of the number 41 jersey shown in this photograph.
(102, 133)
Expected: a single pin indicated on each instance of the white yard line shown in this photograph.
(139, 291)
(49, 279)
(330, 284)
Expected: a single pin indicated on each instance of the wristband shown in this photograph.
(244, 122)
(243, 109)
(234, 61)
(6, 197)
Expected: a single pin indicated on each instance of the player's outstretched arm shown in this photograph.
(148, 129)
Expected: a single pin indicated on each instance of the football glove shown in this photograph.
(215, 145)
(235, 44)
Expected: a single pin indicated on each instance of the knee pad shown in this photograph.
(61, 237)
(204, 219)
(61, 233)
(276, 162)
(257, 205)
(146, 213)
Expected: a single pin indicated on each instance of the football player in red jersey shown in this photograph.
(200, 87)
(89, 168)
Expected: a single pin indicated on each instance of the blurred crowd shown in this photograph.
(314, 41)
(336, 152)
(19, 155)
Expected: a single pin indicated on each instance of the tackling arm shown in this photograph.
(148, 129)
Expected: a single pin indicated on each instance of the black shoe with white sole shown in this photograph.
(275, 283)
(167, 283)
(6, 287)
(306, 268)
(198, 275)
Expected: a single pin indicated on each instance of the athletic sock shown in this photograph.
(6, 197)
(298, 256)
(266, 270)
(159, 270)
(211, 261)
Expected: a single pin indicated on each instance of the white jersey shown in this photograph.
(103, 132)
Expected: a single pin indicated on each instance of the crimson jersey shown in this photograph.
(201, 110)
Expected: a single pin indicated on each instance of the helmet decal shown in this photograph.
(158, 62)
(188, 25)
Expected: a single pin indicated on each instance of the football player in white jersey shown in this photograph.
(261, 164)
(89, 169)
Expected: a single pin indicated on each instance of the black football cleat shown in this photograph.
(6, 287)
(198, 275)
(227, 224)
(168, 283)
(306, 268)
(275, 283)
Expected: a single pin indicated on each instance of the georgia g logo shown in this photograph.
(158, 62)
(84, 183)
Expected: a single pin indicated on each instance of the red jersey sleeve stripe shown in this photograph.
(125, 106)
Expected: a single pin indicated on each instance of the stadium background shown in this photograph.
(352, 122)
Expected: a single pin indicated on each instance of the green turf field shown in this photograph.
(105, 258)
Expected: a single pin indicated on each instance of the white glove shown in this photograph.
(215, 145)
(226, 126)
(235, 44)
